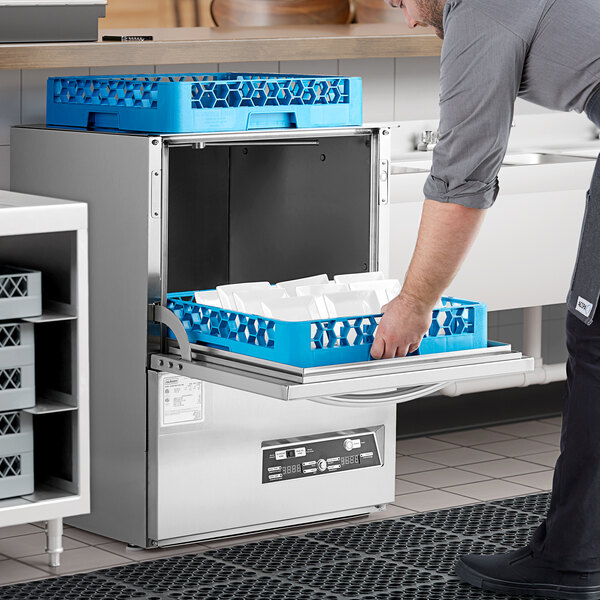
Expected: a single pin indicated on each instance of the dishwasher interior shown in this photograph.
(191, 443)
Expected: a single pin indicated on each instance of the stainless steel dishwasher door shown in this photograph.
(205, 477)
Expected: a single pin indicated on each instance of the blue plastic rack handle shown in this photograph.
(203, 102)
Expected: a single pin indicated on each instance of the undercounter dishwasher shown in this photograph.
(188, 442)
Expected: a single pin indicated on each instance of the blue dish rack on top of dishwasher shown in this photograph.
(203, 102)
(458, 325)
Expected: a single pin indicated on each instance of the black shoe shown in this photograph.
(519, 573)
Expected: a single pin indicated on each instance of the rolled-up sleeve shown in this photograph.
(481, 70)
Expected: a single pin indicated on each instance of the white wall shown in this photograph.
(394, 89)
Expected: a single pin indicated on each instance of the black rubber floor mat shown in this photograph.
(407, 558)
(284, 554)
(382, 536)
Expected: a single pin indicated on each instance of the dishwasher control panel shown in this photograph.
(322, 454)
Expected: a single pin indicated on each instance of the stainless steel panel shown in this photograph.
(112, 174)
(206, 476)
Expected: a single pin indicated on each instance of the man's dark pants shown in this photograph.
(569, 538)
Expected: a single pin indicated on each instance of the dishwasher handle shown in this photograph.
(160, 314)
(395, 396)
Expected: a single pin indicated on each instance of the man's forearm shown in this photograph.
(446, 234)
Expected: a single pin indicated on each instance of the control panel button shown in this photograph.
(280, 455)
(351, 444)
(366, 456)
(322, 465)
(309, 463)
(333, 460)
(277, 476)
(300, 452)
(334, 467)
(309, 470)
(274, 469)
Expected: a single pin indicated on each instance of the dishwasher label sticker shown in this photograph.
(584, 307)
(181, 401)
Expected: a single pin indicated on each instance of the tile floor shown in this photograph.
(433, 472)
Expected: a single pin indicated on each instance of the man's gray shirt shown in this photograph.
(545, 51)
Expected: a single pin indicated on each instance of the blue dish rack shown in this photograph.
(459, 325)
(203, 102)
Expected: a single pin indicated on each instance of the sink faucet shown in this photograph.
(428, 141)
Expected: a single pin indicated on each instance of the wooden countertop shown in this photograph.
(221, 45)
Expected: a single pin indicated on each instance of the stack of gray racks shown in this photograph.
(20, 297)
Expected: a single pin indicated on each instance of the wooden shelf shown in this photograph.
(189, 45)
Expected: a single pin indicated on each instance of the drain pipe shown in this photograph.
(532, 346)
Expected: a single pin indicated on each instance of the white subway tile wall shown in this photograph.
(4, 167)
(378, 86)
(33, 92)
(394, 89)
(250, 67)
(308, 67)
(417, 88)
(10, 106)
(196, 68)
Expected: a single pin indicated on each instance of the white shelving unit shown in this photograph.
(50, 235)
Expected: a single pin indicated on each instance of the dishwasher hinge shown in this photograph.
(384, 185)
(155, 193)
(160, 314)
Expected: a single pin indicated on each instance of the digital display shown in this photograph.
(351, 459)
(313, 456)
(291, 469)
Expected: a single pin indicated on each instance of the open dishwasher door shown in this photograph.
(358, 384)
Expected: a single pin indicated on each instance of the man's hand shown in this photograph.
(445, 236)
(402, 327)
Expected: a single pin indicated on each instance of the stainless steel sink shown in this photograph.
(510, 160)
(411, 166)
(539, 158)
(403, 170)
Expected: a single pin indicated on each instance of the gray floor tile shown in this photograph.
(552, 420)
(505, 467)
(407, 487)
(459, 456)
(492, 489)
(516, 447)
(542, 480)
(31, 544)
(472, 437)
(431, 500)
(80, 560)
(410, 464)
(548, 459)
(15, 530)
(525, 428)
(549, 438)
(391, 512)
(441, 478)
(12, 571)
(420, 445)
(121, 549)
(86, 537)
